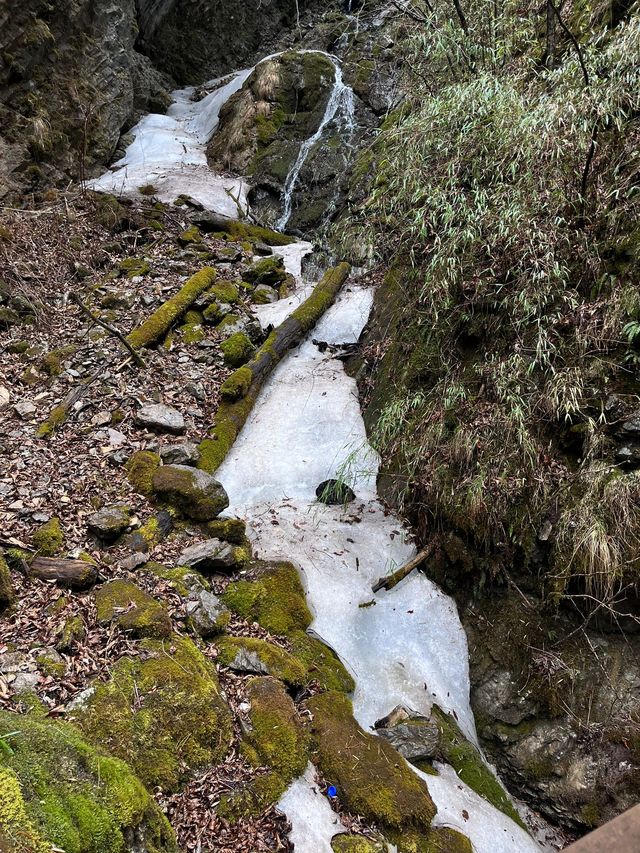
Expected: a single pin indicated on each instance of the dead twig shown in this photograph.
(389, 581)
(109, 328)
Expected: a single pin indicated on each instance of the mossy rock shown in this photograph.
(268, 271)
(51, 663)
(191, 330)
(132, 609)
(465, 759)
(241, 231)
(134, 267)
(356, 844)
(8, 317)
(190, 236)
(56, 790)
(163, 711)
(275, 599)
(251, 799)
(225, 291)
(232, 530)
(140, 470)
(237, 349)
(323, 666)
(247, 654)
(49, 538)
(277, 734)
(371, 778)
(191, 491)
(7, 592)
(72, 632)
(182, 579)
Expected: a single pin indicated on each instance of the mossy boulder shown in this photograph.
(275, 599)
(56, 790)
(237, 349)
(225, 292)
(264, 294)
(140, 470)
(276, 732)
(247, 654)
(323, 666)
(372, 780)
(192, 491)
(356, 844)
(190, 235)
(251, 799)
(182, 579)
(49, 538)
(134, 267)
(269, 271)
(232, 530)
(132, 609)
(163, 711)
(7, 592)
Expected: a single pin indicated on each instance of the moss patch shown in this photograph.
(7, 592)
(164, 713)
(49, 538)
(140, 470)
(263, 656)
(371, 778)
(277, 734)
(275, 599)
(237, 349)
(132, 609)
(133, 267)
(229, 530)
(66, 792)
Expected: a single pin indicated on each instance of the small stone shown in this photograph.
(632, 426)
(160, 418)
(207, 615)
(13, 662)
(210, 556)
(334, 493)
(180, 454)
(248, 661)
(194, 492)
(197, 390)
(134, 561)
(119, 457)
(5, 397)
(629, 455)
(25, 682)
(25, 409)
(81, 700)
(110, 522)
(263, 249)
(116, 438)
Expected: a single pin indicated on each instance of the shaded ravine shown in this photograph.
(409, 646)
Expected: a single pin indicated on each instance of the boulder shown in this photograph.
(180, 454)
(194, 492)
(213, 555)
(269, 271)
(160, 418)
(110, 522)
(132, 609)
(206, 614)
(416, 739)
(264, 294)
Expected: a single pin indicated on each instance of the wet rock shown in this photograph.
(416, 739)
(213, 555)
(110, 522)
(264, 294)
(180, 454)
(207, 615)
(269, 271)
(132, 609)
(334, 492)
(194, 492)
(160, 418)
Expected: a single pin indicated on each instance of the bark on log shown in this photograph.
(158, 324)
(74, 574)
(389, 581)
(241, 389)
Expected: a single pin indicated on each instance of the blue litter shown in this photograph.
(332, 791)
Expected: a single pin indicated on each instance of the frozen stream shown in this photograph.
(407, 646)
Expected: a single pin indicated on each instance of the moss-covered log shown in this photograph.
(241, 389)
(159, 323)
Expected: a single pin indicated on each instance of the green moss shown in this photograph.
(159, 323)
(276, 661)
(8, 317)
(132, 609)
(182, 579)
(191, 330)
(212, 314)
(133, 267)
(18, 558)
(18, 347)
(468, 764)
(181, 487)
(269, 271)
(57, 417)
(52, 361)
(356, 844)
(163, 711)
(50, 663)
(73, 631)
(277, 734)
(255, 234)
(7, 592)
(228, 529)
(71, 795)
(30, 377)
(275, 599)
(323, 666)
(237, 349)
(49, 538)
(225, 291)
(251, 799)
(147, 189)
(371, 779)
(190, 235)
(140, 470)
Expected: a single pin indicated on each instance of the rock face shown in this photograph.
(71, 81)
(210, 556)
(195, 493)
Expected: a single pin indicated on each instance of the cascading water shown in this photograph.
(340, 107)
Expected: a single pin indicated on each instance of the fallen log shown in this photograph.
(241, 389)
(389, 581)
(158, 324)
(74, 574)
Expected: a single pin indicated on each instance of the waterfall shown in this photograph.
(341, 104)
